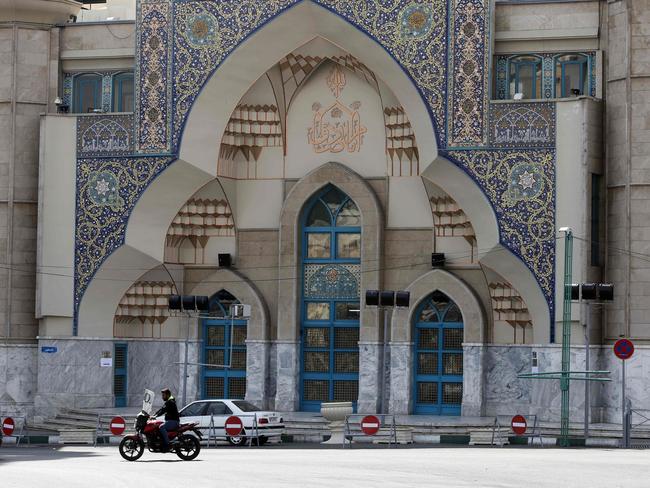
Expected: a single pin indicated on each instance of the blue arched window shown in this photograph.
(224, 351)
(571, 77)
(123, 92)
(87, 93)
(438, 357)
(331, 255)
(525, 76)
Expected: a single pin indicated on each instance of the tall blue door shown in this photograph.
(224, 351)
(331, 253)
(438, 357)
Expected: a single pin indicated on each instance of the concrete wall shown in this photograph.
(554, 26)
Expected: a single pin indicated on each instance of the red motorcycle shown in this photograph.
(147, 433)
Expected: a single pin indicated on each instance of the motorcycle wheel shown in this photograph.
(188, 447)
(131, 448)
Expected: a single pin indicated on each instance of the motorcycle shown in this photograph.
(147, 433)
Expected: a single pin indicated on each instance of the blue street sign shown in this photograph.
(48, 349)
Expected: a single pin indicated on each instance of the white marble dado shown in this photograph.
(257, 360)
(370, 377)
(473, 380)
(18, 376)
(72, 377)
(288, 373)
(401, 377)
(637, 379)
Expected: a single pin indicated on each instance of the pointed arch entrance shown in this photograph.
(223, 374)
(330, 309)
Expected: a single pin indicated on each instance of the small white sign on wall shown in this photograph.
(106, 362)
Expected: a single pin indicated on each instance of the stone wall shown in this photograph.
(28, 84)
(628, 168)
(18, 372)
(72, 376)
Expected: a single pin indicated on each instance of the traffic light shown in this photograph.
(603, 292)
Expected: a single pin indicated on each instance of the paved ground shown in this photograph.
(307, 467)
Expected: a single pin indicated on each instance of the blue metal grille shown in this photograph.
(330, 300)
(224, 351)
(438, 357)
(120, 375)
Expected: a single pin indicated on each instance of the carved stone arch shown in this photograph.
(474, 317)
(372, 226)
(401, 346)
(245, 291)
(257, 333)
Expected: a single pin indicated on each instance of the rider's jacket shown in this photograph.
(170, 410)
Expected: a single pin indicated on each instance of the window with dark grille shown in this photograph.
(346, 391)
(316, 390)
(214, 387)
(427, 392)
(237, 387)
(452, 393)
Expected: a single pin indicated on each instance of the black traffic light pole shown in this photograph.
(386, 299)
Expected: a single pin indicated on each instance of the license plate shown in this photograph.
(273, 420)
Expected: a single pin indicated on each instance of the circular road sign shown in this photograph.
(234, 425)
(8, 426)
(370, 425)
(117, 426)
(519, 424)
(624, 348)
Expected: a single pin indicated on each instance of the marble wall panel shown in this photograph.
(371, 378)
(155, 365)
(18, 373)
(401, 374)
(286, 396)
(473, 376)
(256, 372)
(72, 376)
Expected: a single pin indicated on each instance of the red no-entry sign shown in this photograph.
(117, 426)
(234, 425)
(624, 348)
(8, 425)
(519, 424)
(370, 425)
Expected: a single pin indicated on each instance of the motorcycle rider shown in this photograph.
(172, 418)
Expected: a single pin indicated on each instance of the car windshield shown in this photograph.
(245, 406)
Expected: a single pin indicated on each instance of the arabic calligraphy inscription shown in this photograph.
(338, 127)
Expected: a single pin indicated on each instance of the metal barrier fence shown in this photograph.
(22, 431)
(249, 433)
(353, 429)
(498, 427)
(642, 439)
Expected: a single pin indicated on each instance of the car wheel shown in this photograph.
(238, 440)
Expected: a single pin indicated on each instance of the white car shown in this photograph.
(203, 412)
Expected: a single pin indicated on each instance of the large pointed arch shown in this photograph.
(288, 31)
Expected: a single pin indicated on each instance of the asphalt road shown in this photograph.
(307, 467)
